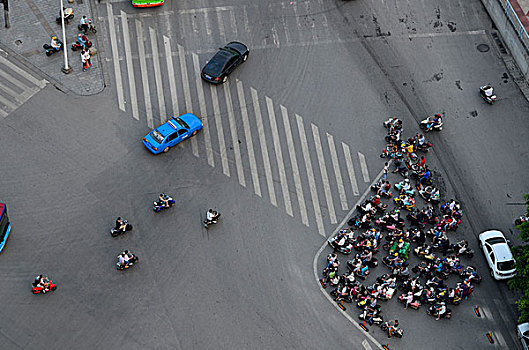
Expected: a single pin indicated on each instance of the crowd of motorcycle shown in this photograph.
(377, 228)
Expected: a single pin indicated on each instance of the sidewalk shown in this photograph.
(33, 24)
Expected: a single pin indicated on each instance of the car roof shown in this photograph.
(167, 128)
(502, 252)
(216, 65)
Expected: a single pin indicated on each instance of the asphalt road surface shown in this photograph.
(289, 146)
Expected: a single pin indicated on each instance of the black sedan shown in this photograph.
(224, 62)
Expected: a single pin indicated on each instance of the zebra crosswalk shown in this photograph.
(17, 85)
(293, 164)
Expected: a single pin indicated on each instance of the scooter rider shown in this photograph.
(211, 217)
(84, 24)
(441, 310)
(393, 326)
(120, 224)
(433, 121)
(164, 200)
(82, 40)
(487, 90)
(123, 259)
(54, 43)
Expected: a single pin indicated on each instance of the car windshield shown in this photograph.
(157, 136)
(216, 65)
(495, 240)
(182, 123)
(506, 265)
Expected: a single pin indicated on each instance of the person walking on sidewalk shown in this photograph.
(386, 169)
(85, 59)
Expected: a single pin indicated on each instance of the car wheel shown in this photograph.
(492, 274)
(224, 79)
(166, 149)
(194, 133)
(245, 57)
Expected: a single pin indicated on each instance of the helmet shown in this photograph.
(400, 240)
(396, 254)
(53, 38)
(80, 35)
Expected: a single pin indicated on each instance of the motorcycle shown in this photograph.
(376, 188)
(89, 27)
(377, 318)
(416, 305)
(207, 222)
(401, 188)
(433, 311)
(430, 194)
(158, 206)
(470, 273)
(68, 15)
(521, 220)
(489, 99)
(340, 244)
(132, 260)
(425, 147)
(428, 125)
(78, 46)
(50, 50)
(405, 202)
(116, 231)
(36, 289)
(398, 332)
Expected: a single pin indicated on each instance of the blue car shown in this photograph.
(172, 132)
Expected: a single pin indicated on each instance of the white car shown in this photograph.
(498, 254)
(523, 334)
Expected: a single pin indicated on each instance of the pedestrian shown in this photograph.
(83, 60)
(386, 169)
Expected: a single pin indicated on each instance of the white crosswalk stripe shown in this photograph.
(279, 155)
(17, 85)
(264, 148)
(255, 151)
(234, 138)
(130, 72)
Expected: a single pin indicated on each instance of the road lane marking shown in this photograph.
(40, 83)
(337, 171)
(15, 95)
(13, 80)
(323, 172)
(207, 24)
(144, 74)
(285, 27)
(187, 93)
(310, 175)
(8, 103)
(363, 165)
(233, 23)
(317, 277)
(115, 57)
(366, 345)
(130, 66)
(157, 74)
(234, 137)
(203, 110)
(295, 169)
(171, 73)
(248, 137)
(220, 132)
(350, 169)
(279, 155)
(222, 33)
(264, 149)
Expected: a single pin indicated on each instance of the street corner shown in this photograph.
(32, 26)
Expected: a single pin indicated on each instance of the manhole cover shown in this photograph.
(18, 42)
(483, 48)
